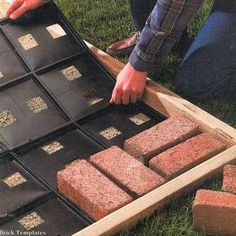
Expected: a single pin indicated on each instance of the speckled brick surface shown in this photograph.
(159, 138)
(229, 180)
(126, 170)
(215, 212)
(89, 189)
(186, 155)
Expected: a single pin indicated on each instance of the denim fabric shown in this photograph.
(209, 67)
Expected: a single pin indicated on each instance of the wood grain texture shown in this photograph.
(170, 104)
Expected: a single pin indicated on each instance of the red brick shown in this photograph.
(215, 212)
(89, 189)
(186, 155)
(229, 181)
(126, 170)
(159, 138)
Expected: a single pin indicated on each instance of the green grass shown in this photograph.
(103, 21)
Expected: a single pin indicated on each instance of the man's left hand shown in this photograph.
(129, 86)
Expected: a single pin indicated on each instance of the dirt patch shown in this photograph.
(6, 119)
(52, 147)
(71, 73)
(31, 221)
(14, 180)
(110, 133)
(1, 75)
(56, 31)
(37, 105)
(91, 97)
(140, 119)
(28, 41)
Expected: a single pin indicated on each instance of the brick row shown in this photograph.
(159, 138)
(126, 171)
(89, 189)
(186, 155)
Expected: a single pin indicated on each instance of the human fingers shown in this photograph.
(19, 11)
(116, 96)
(125, 97)
(14, 5)
(133, 97)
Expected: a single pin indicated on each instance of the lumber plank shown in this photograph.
(170, 104)
(129, 215)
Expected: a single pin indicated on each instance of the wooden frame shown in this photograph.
(168, 104)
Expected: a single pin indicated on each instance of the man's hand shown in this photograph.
(19, 7)
(129, 86)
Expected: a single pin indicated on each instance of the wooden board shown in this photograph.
(169, 104)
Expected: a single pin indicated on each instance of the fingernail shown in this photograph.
(12, 16)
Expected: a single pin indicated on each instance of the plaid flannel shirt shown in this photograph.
(163, 28)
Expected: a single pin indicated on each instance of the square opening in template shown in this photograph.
(56, 31)
(57, 152)
(71, 73)
(110, 133)
(53, 217)
(6, 118)
(14, 179)
(28, 41)
(119, 117)
(52, 147)
(31, 221)
(140, 118)
(37, 105)
(91, 96)
(14, 183)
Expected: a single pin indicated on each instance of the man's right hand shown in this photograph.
(19, 7)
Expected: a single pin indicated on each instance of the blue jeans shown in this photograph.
(209, 66)
(208, 69)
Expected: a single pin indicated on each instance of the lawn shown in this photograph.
(103, 21)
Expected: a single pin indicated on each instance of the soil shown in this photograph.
(71, 73)
(1, 75)
(140, 119)
(31, 221)
(110, 133)
(28, 41)
(91, 97)
(14, 180)
(37, 105)
(52, 147)
(6, 119)
(56, 31)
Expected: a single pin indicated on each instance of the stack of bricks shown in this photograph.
(214, 212)
(114, 177)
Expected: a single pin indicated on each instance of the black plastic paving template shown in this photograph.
(54, 109)
(114, 126)
(52, 217)
(53, 154)
(80, 87)
(25, 114)
(17, 187)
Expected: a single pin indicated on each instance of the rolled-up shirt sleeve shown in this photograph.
(163, 28)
